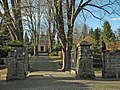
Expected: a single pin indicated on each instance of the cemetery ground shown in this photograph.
(47, 75)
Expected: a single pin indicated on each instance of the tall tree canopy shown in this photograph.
(96, 34)
(11, 15)
(65, 13)
(73, 9)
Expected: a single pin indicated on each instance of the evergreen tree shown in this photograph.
(96, 35)
(91, 32)
(107, 34)
(84, 31)
(118, 33)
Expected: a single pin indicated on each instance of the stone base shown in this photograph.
(73, 72)
(86, 75)
(110, 74)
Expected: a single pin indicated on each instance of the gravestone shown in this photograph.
(17, 65)
(84, 66)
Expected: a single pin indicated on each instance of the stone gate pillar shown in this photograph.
(84, 64)
(17, 63)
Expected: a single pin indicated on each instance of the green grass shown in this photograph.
(3, 73)
(56, 58)
(98, 72)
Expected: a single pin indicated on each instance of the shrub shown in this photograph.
(15, 42)
(31, 49)
(54, 53)
(56, 48)
(96, 49)
(4, 50)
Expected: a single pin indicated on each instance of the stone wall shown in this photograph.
(82, 62)
(17, 63)
(111, 64)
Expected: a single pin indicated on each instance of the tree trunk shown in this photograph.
(49, 18)
(70, 4)
(69, 46)
(18, 19)
(34, 41)
(50, 39)
(68, 60)
(64, 60)
(12, 33)
(14, 20)
(35, 46)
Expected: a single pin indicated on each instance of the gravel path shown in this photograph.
(56, 80)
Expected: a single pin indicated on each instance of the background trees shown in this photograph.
(107, 34)
(84, 30)
(96, 35)
(34, 16)
(33, 11)
(65, 13)
(118, 34)
(74, 8)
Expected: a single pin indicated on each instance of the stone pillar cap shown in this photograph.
(85, 43)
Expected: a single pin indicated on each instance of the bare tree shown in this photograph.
(73, 9)
(59, 23)
(33, 12)
(49, 20)
(12, 18)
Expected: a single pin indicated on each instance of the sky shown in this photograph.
(92, 22)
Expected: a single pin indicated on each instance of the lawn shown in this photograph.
(3, 73)
(56, 58)
(98, 72)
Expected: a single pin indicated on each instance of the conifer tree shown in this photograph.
(96, 35)
(84, 31)
(107, 34)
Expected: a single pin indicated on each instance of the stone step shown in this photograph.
(42, 54)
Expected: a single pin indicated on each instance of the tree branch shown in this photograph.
(83, 15)
(99, 7)
(80, 7)
(81, 2)
(92, 13)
